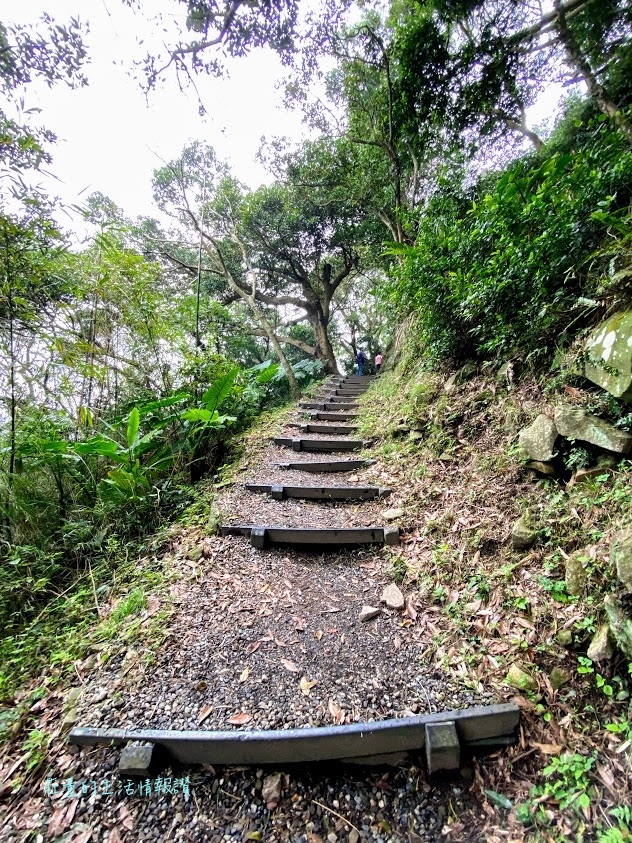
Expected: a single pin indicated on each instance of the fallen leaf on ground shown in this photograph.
(240, 719)
(40, 705)
(548, 748)
(62, 818)
(254, 645)
(410, 609)
(289, 665)
(306, 685)
(319, 634)
(127, 820)
(245, 673)
(606, 777)
(204, 713)
(337, 714)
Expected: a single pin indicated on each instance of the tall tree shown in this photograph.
(307, 237)
(198, 192)
(499, 54)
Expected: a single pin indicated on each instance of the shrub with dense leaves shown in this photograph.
(502, 273)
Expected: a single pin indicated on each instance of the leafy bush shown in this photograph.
(504, 276)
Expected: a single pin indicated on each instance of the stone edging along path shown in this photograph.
(288, 656)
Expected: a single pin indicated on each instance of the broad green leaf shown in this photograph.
(145, 441)
(217, 394)
(163, 402)
(197, 414)
(98, 447)
(42, 446)
(132, 428)
(268, 374)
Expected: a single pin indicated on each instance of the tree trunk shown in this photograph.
(521, 127)
(12, 441)
(324, 350)
(257, 312)
(261, 320)
(295, 390)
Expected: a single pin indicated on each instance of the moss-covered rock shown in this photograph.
(520, 679)
(601, 647)
(575, 575)
(575, 423)
(564, 637)
(538, 440)
(621, 556)
(608, 361)
(620, 625)
(559, 677)
(523, 535)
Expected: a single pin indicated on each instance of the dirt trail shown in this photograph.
(266, 640)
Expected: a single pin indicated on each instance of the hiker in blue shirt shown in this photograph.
(360, 361)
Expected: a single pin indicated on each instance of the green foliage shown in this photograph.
(567, 784)
(74, 497)
(35, 746)
(499, 274)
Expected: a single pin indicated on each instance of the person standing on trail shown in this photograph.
(378, 362)
(360, 361)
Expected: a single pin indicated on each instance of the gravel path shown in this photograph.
(254, 627)
(271, 640)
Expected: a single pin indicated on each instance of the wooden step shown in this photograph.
(319, 493)
(322, 416)
(348, 393)
(312, 537)
(334, 429)
(322, 444)
(326, 467)
(327, 405)
(480, 730)
(337, 399)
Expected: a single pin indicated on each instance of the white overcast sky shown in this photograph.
(111, 138)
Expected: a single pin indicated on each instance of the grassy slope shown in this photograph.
(489, 608)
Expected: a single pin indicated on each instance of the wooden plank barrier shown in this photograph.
(319, 493)
(322, 444)
(480, 729)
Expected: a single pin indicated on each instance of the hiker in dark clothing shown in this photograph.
(360, 361)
